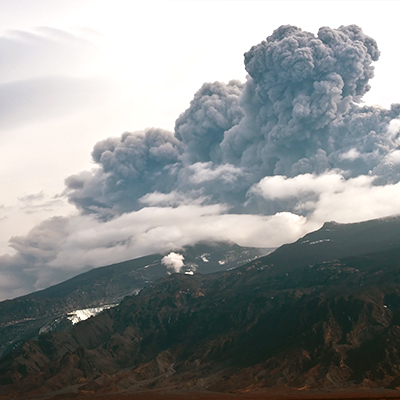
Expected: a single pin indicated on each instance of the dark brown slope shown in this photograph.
(26, 317)
(306, 320)
(336, 241)
(331, 325)
(113, 282)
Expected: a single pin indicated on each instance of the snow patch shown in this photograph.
(320, 241)
(81, 315)
(204, 258)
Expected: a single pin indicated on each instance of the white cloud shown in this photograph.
(172, 199)
(351, 155)
(330, 196)
(394, 127)
(358, 200)
(281, 187)
(61, 247)
(204, 172)
(173, 261)
(394, 157)
(156, 229)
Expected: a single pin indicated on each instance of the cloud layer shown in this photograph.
(45, 74)
(259, 163)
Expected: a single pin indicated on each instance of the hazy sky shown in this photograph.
(75, 73)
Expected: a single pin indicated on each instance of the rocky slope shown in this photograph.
(330, 323)
(58, 307)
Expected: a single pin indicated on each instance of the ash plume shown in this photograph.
(213, 110)
(298, 113)
(300, 86)
(259, 163)
(130, 167)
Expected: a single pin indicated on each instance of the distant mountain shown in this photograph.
(323, 312)
(60, 306)
(334, 241)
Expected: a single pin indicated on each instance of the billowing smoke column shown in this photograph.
(298, 113)
(212, 112)
(130, 166)
(299, 87)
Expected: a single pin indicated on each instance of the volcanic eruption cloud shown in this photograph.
(259, 163)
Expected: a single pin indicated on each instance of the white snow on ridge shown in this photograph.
(80, 315)
(204, 257)
(320, 241)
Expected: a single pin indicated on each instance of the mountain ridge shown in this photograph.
(331, 324)
(26, 317)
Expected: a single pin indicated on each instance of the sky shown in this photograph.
(133, 127)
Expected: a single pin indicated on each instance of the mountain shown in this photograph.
(307, 316)
(334, 241)
(60, 306)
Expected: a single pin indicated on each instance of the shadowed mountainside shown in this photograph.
(54, 308)
(330, 323)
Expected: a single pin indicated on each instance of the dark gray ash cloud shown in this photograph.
(213, 110)
(299, 86)
(29, 269)
(260, 163)
(130, 167)
(41, 244)
(298, 112)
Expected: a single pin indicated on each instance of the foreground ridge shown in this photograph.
(332, 324)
